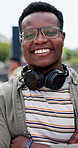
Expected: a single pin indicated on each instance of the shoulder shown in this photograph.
(7, 86)
(8, 89)
(73, 75)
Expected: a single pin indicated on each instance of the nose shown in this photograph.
(40, 38)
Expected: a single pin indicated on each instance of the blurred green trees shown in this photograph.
(70, 56)
(4, 51)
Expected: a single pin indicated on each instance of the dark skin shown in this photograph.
(44, 61)
(20, 141)
(74, 138)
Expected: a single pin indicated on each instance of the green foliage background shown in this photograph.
(4, 51)
(70, 56)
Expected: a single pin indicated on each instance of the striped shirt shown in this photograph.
(49, 114)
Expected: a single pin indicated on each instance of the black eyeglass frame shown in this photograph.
(40, 29)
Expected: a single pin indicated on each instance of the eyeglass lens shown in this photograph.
(48, 31)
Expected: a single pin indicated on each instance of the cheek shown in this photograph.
(58, 45)
(24, 48)
(23, 45)
(24, 51)
(58, 48)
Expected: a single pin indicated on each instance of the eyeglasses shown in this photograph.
(47, 31)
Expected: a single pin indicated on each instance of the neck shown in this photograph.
(48, 68)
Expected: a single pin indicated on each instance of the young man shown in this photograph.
(41, 104)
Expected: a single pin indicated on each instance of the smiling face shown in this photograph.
(42, 52)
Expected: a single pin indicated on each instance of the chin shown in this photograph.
(42, 67)
(43, 64)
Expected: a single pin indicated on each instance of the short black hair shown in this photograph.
(41, 7)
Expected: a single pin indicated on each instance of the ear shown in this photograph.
(63, 37)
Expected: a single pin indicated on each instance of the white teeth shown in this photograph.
(41, 51)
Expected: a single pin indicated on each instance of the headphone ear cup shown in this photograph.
(55, 79)
(33, 79)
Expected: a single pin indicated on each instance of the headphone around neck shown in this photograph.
(33, 79)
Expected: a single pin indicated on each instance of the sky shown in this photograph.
(10, 10)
